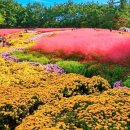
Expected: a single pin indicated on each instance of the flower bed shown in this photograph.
(101, 44)
(32, 98)
(108, 110)
(9, 31)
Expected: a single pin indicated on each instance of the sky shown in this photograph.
(52, 2)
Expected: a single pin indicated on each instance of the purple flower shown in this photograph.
(54, 68)
(117, 84)
(7, 56)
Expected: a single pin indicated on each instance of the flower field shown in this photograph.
(90, 43)
(9, 31)
(47, 91)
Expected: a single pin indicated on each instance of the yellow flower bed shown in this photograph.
(22, 38)
(21, 82)
(109, 110)
(19, 39)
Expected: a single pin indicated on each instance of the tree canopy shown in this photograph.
(114, 14)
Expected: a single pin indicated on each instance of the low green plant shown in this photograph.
(72, 67)
(40, 54)
(53, 61)
(22, 55)
(32, 57)
(91, 69)
(42, 60)
(127, 82)
(111, 72)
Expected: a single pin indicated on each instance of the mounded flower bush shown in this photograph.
(108, 110)
(20, 83)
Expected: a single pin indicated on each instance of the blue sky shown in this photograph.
(52, 2)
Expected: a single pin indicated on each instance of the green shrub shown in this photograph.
(21, 55)
(53, 61)
(112, 72)
(91, 70)
(72, 67)
(127, 82)
(33, 57)
(42, 60)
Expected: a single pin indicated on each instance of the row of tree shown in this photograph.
(111, 15)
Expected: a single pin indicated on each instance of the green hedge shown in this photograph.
(127, 82)
(72, 67)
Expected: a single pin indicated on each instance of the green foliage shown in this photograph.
(65, 92)
(42, 60)
(1, 19)
(128, 125)
(91, 69)
(72, 67)
(68, 14)
(127, 82)
(111, 72)
(53, 61)
(32, 57)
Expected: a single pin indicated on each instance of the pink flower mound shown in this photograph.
(9, 31)
(90, 42)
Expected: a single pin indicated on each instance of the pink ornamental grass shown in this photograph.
(109, 46)
(9, 31)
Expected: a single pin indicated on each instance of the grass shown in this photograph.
(32, 57)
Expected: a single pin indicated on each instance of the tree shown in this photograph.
(69, 14)
(1, 19)
(120, 21)
(123, 4)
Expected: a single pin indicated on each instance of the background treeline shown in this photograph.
(114, 14)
